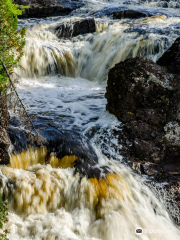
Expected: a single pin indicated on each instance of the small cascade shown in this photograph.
(45, 55)
(29, 157)
(40, 155)
(101, 26)
(112, 47)
(92, 56)
(58, 60)
(108, 208)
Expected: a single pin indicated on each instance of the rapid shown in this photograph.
(63, 81)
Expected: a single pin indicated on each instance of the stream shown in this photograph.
(63, 82)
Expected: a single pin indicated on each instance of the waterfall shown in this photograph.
(92, 56)
(63, 82)
(51, 203)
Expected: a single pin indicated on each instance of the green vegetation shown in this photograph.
(11, 44)
(3, 218)
(11, 38)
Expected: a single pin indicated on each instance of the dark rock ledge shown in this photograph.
(46, 8)
(75, 28)
(128, 14)
(146, 99)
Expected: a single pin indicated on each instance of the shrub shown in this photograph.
(11, 38)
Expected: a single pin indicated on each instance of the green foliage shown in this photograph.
(11, 38)
(3, 218)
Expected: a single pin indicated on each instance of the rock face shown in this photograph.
(4, 137)
(171, 58)
(45, 8)
(141, 93)
(146, 99)
(128, 14)
(76, 28)
(138, 88)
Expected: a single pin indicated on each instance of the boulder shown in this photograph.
(141, 95)
(138, 84)
(146, 99)
(128, 14)
(75, 28)
(46, 8)
(171, 58)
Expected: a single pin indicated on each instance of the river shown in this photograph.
(64, 81)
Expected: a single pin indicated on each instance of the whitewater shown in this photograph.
(63, 81)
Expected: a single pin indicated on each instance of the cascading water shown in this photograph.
(83, 56)
(63, 81)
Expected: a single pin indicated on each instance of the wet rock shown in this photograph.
(172, 142)
(85, 169)
(146, 99)
(171, 58)
(146, 150)
(46, 8)
(19, 139)
(140, 129)
(75, 28)
(61, 143)
(138, 167)
(174, 106)
(123, 12)
(4, 137)
(128, 14)
(151, 169)
(172, 133)
(138, 84)
(139, 93)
